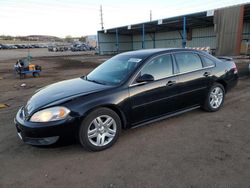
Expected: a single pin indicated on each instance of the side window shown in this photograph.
(207, 62)
(160, 67)
(188, 61)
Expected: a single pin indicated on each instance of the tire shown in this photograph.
(94, 134)
(216, 93)
(36, 74)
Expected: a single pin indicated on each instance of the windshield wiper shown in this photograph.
(95, 81)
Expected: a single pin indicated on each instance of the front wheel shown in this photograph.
(215, 98)
(100, 129)
(36, 74)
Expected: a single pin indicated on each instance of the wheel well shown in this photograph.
(119, 113)
(222, 82)
(116, 110)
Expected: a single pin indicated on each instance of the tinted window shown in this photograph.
(207, 62)
(188, 61)
(160, 67)
(115, 70)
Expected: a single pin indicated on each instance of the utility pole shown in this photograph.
(151, 15)
(101, 14)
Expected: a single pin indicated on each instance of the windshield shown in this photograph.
(114, 71)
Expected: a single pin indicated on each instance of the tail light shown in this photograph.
(235, 70)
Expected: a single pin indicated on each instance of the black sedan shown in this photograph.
(131, 89)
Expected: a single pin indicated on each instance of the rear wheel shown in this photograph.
(100, 129)
(215, 98)
(35, 74)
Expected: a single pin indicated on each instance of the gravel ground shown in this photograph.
(37, 52)
(195, 149)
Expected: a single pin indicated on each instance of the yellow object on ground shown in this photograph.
(32, 67)
(3, 105)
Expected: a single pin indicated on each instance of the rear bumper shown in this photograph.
(233, 82)
(44, 133)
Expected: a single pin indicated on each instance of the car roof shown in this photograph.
(151, 52)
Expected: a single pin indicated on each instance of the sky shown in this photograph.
(82, 17)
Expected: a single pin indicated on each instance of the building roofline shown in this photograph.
(197, 15)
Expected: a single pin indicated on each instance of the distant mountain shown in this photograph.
(43, 38)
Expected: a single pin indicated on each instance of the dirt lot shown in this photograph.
(40, 52)
(196, 149)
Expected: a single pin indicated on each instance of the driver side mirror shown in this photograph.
(145, 78)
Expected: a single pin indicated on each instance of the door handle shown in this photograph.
(206, 74)
(171, 83)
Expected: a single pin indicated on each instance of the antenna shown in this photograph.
(101, 14)
(151, 15)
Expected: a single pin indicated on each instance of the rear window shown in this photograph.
(187, 61)
(207, 62)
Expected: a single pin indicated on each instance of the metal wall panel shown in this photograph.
(203, 37)
(162, 40)
(228, 25)
(168, 40)
(137, 42)
(107, 43)
(246, 31)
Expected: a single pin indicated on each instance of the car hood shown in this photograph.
(61, 91)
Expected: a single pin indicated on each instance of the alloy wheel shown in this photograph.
(216, 97)
(102, 130)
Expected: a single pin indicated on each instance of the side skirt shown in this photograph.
(165, 117)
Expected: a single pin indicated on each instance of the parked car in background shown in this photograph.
(80, 47)
(50, 48)
(4, 46)
(43, 46)
(19, 46)
(12, 47)
(130, 89)
(22, 46)
(58, 48)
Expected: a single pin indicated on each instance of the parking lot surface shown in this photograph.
(37, 52)
(195, 149)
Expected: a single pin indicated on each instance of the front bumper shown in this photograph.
(44, 133)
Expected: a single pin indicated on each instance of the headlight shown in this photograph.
(50, 114)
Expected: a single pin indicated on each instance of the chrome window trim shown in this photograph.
(177, 74)
(199, 54)
(194, 70)
(136, 84)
